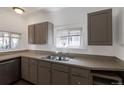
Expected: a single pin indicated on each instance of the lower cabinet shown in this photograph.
(44, 73)
(29, 69)
(9, 71)
(25, 70)
(44, 76)
(60, 74)
(80, 76)
(77, 80)
(33, 71)
(60, 78)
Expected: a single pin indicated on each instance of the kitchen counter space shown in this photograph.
(88, 62)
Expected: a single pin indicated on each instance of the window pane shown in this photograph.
(1, 43)
(69, 38)
(6, 43)
(4, 40)
(14, 42)
(74, 42)
(1, 34)
(9, 40)
(62, 42)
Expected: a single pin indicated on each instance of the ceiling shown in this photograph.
(33, 10)
(30, 10)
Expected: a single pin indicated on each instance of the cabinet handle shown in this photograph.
(79, 83)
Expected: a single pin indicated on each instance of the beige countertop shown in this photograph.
(93, 63)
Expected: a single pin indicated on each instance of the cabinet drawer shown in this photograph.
(80, 72)
(44, 64)
(24, 59)
(60, 67)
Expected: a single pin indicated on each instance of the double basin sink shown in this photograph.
(57, 58)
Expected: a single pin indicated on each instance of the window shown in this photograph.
(9, 40)
(68, 38)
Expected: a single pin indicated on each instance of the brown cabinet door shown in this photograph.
(25, 70)
(33, 71)
(100, 28)
(60, 78)
(45, 33)
(31, 34)
(38, 33)
(44, 75)
(41, 33)
(77, 80)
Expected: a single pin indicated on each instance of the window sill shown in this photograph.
(11, 50)
(71, 49)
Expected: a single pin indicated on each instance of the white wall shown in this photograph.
(12, 22)
(68, 16)
(119, 47)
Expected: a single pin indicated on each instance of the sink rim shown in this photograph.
(56, 59)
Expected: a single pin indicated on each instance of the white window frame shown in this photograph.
(68, 27)
(10, 38)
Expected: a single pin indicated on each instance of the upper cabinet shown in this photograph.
(38, 33)
(31, 34)
(100, 28)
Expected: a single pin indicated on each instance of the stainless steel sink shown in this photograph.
(59, 58)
